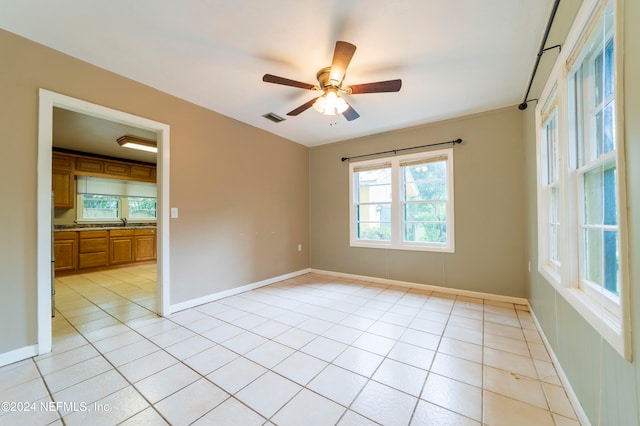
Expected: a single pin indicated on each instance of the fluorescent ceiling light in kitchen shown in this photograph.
(137, 143)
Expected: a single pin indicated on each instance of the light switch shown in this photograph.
(174, 212)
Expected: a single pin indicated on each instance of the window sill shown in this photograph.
(407, 247)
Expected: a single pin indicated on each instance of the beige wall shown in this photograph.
(242, 192)
(489, 207)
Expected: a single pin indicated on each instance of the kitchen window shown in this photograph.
(112, 200)
(403, 202)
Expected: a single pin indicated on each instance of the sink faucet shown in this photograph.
(124, 221)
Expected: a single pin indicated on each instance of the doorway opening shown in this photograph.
(48, 102)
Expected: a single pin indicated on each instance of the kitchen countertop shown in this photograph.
(106, 227)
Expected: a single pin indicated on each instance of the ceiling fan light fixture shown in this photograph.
(140, 144)
(330, 104)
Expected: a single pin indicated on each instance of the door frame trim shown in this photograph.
(49, 100)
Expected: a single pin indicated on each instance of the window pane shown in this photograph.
(593, 255)
(374, 231)
(608, 69)
(100, 206)
(142, 208)
(425, 212)
(593, 197)
(554, 243)
(374, 185)
(425, 232)
(611, 262)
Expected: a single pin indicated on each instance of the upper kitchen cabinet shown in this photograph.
(63, 181)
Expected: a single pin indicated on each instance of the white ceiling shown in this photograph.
(454, 57)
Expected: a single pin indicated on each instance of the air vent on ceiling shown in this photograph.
(273, 117)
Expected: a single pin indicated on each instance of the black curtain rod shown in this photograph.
(394, 151)
(542, 49)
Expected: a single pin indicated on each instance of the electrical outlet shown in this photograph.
(529, 266)
(174, 212)
(299, 247)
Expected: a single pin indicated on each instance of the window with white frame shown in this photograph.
(110, 200)
(549, 184)
(580, 186)
(403, 202)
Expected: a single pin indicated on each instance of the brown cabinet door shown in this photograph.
(66, 255)
(64, 191)
(145, 247)
(142, 172)
(121, 250)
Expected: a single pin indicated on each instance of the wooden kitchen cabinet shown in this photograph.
(65, 251)
(121, 246)
(63, 185)
(145, 244)
(93, 249)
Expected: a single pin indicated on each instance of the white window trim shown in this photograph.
(614, 327)
(397, 241)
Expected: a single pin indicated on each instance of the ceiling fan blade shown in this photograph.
(269, 78)
(302, 107)
(350, 114)
(341, 58)
(377, 87)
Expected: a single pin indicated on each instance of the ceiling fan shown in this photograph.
(330, 102)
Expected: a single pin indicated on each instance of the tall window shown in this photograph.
(581, 186)
(549, 199)
(592, 133)
(403, 202)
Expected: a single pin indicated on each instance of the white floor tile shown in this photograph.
(338, 384)
(363, 350)
(191, 402)
(401, 376)
(359, 361)
(300, 367)
(231, 413)
(166, 382)
(385, 405)
(237, 374)
(268, 393)
(309, 409)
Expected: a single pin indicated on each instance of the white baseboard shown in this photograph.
(233, 291)
(469, 293)
(18, 355)
(573, 398)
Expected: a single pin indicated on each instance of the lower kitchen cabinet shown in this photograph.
(79, 250)
(145, 245)
(121, 246)
(65, 251)
(93, 249)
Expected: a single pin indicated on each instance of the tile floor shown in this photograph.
(313, 350)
